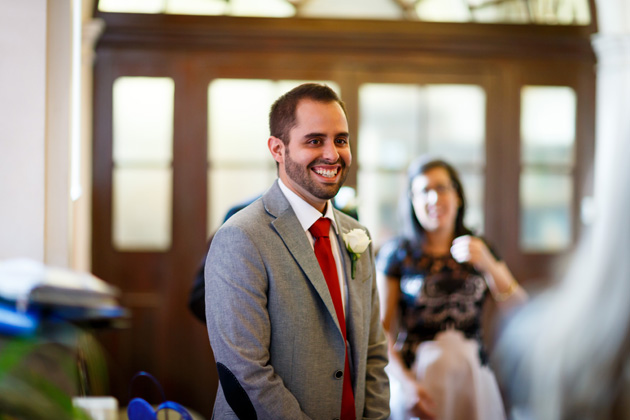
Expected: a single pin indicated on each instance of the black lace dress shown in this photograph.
(437, 293)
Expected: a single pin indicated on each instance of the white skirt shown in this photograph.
(450, 369)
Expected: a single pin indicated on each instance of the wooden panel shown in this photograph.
(329, 36)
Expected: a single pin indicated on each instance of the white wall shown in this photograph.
(57, 226)
(36, 96)
(22, 128)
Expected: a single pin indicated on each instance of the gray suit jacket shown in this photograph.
(272, 324)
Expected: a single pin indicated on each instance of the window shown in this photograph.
(399, 122)
(142, 156)
(548, 116)
(551, 12)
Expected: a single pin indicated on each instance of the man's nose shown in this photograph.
(330, 152)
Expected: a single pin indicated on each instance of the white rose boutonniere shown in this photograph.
(357, 242)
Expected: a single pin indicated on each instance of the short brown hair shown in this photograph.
(282, 114)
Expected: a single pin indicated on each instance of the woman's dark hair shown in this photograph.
(412, 229)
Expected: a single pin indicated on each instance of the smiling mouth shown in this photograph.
(326, 173)
(435, 213)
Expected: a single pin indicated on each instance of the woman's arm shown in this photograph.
(503, 286)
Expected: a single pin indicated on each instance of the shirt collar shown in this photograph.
(307, 214)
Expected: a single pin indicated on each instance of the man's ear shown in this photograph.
(276, 147)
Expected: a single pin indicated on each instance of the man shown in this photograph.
(291, 342)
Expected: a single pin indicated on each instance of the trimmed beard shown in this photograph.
(302, 177)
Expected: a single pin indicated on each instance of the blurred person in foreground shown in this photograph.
(292, 311)
(434, 281)
(566, 355)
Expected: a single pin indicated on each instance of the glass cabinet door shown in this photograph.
(142, 163)
(548, 116)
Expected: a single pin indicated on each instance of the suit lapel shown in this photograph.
(353, 304)
(290, 231)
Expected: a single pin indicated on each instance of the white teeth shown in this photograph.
(327, 173)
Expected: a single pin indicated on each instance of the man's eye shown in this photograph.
(342, 140)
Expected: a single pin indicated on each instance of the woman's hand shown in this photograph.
(500, 280)
(419, 403)
(472, 250)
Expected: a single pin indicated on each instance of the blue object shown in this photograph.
(14, 322)
(139, 409)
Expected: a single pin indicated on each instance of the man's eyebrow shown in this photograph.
(343, 134)
(310, 135)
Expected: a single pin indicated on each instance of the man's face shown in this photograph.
(316, 160)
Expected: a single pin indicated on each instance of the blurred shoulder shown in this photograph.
(391, 254)
(249, 221)
(397, 244)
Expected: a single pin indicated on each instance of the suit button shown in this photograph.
(336, 418)
(338, 374)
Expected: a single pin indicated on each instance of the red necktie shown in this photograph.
(324, 255)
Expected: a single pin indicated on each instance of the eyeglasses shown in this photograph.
(440, 190)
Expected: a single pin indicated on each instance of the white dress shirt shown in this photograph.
(307, 215)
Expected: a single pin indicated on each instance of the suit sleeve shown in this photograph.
(376, 380)
(239, 329)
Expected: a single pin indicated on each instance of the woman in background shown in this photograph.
(433, 283)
